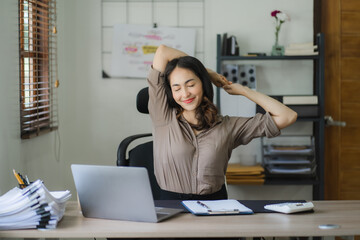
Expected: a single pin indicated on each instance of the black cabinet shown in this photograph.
(317, 179)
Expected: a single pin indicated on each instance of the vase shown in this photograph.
(277, 50)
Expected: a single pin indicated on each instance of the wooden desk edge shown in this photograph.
(74, 225)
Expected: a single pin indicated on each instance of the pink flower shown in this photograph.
(273, 13)
(279, 15)
(283, 17)
(280, 18)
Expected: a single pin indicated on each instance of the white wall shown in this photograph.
(95, 113)
(10, 144)
(16, 153)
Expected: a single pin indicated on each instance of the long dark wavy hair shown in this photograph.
(206, 112)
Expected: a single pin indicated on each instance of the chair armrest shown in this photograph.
(121, 153)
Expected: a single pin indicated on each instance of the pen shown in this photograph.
(217, 211)
(27, 179)
(224, 212)
(20, 181)
(204, 205)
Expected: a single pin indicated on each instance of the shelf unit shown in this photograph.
(318, 122)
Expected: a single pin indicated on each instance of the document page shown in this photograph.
(211, 207)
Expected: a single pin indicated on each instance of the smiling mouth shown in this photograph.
(189, 100)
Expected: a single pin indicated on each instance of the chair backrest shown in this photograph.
(142, 100)
(142, 154)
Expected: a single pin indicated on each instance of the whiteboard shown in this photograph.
(134, 47)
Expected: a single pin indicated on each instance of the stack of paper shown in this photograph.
(300, 100)
(239, 174)
(301, 49)
(32, 207)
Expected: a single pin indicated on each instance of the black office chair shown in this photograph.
(142, 154)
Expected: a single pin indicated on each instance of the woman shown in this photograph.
(192, 142)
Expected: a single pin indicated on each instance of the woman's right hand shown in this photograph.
(235, 89)
(218, 79)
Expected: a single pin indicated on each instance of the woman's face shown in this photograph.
(186, 88)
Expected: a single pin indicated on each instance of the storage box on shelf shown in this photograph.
(284, 160)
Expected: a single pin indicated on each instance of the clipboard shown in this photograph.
(216, 207)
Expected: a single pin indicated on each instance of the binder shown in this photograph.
(230, 46)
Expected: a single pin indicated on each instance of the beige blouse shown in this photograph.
(190, 164)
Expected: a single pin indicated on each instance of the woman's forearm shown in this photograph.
(283, 116)
(165, 54)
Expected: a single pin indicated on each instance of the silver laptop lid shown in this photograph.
(111, 192)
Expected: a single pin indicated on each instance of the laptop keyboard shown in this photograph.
(160, 215)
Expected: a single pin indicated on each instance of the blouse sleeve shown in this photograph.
(246, 129)
(158, 107)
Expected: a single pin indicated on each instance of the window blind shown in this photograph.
(38, 67)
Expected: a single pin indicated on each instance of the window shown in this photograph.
(38, 67)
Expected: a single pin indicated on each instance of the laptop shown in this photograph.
(120, 193)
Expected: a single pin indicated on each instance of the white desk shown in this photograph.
(344, 213)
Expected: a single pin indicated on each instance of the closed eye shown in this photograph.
(175, 87)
